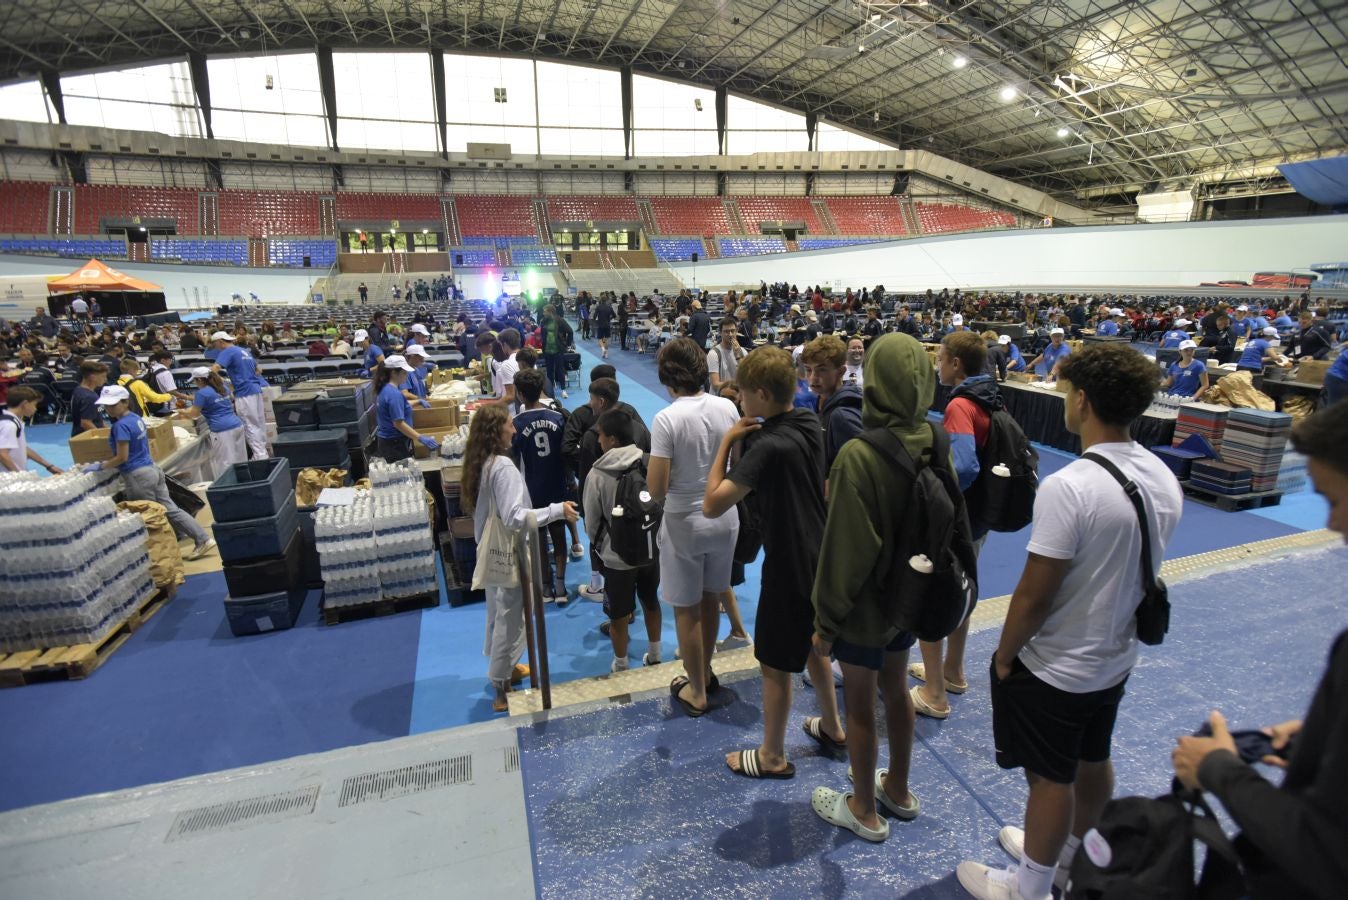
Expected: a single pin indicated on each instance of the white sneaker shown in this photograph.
(1012, 840)
(617, 666)
(201, 550)
(591, 594)
(987, 883)
(565, 395)
(647, 661)
(561, 597)
(577, 552)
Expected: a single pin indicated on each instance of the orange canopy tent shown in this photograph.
(95, 276)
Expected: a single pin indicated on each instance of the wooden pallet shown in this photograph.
(1232, 502)
(385, 606)
(76, 661)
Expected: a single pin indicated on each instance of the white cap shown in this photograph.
(796, 351)
(811, 315)
(1180, 323)
(396, 362)
(1116, 312)
(1053, 331)
(1187, 345)
(1004, 339)
(361, 334)
(201, 372)
(419, 329)
(414, 350)
(957, 319)
(112, 395)
(1270, 331)
(795, 308)
(1242, 308)
(222, 336)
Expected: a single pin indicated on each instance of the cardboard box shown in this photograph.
(442, 414)
(440, 434)
(1313, 371)
(163, 442)
(91, 446)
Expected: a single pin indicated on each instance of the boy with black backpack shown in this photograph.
(868, 610)
(991, 456)
(622, 520)
(781, 472)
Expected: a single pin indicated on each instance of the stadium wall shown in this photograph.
(1160, 254)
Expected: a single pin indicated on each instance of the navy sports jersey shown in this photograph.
(538, 445)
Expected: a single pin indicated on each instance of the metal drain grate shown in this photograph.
(406, 780)
(512, 759)
(250, 811)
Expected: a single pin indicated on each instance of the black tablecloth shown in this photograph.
(1040, 413)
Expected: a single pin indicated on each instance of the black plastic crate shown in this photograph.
(250, 577)
(359, 433)
(295, 408)
(291, 429)
(263, 536)
(309, 561)
(324, 448)
(250, 490)
(340, 410)
(265, 612)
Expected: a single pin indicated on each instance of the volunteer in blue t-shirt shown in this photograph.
(1242, 324)
(1259, 351)
(1175, 336)
(1336, 379)
(211, 401)
(141, 478)
(238, 364)
(1109, 327)
(1015, 361)
(393, 414)
(1188, 377)
(414, 389)
(1047, 362)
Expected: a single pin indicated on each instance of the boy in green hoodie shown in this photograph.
(781, 472)
(851, 590)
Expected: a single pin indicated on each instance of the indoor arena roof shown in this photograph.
(1072, 96)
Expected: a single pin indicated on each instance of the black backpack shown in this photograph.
(1144, 847)
(634, 521)
(148, 378)
(930, 597)
(1005, 502)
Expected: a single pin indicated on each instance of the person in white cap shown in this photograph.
(1110, 327)
(420, 329)
(1188, 377)
(229, 443)
(1048, 361)
(1261, 350)
(141, 478)
(414, 389)
(238, 364)
(1015, 361)
(1242, 324)
(1172, 338)
(393, 431)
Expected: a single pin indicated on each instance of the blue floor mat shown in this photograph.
(636, 800)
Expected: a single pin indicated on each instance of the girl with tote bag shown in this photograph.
(493, 489)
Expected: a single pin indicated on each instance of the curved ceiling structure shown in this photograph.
(1076, 97)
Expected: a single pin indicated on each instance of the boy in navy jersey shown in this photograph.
(538, 446)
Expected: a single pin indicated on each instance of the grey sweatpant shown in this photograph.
(147, 483)
(505, 641)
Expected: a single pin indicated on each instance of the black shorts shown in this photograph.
(393, 449)
(603, 332)
(557, 532)
(1046, 730)
(783, 628)
(622, 587)
(872, 658)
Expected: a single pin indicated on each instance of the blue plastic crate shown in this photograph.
(263, 536)
(249, 490)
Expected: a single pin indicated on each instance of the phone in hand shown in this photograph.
(1251, 746)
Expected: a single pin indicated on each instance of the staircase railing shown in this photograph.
(529, 558)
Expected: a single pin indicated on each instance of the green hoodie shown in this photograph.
(866, 496)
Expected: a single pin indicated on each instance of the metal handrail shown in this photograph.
(529, 558)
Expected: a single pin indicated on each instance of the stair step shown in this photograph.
(619, 686)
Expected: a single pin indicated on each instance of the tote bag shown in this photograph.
(496, 562)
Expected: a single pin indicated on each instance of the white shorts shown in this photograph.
(696, 555)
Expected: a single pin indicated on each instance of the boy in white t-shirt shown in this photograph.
(1070, 638)
(21, 404)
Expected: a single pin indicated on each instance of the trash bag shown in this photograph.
(166, 560)
(311, 483)
(1298, 407)
(1237, 390)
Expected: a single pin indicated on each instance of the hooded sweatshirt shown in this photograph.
(866, 497)
(600, 490)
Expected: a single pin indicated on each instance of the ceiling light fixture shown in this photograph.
(959, 62)
(1063, 132)
(1008, 94)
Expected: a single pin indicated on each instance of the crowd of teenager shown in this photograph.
(763, 451)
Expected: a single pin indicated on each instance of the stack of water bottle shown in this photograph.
(72, 568)
(402, 530)
(347, 556)
(453, 445)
